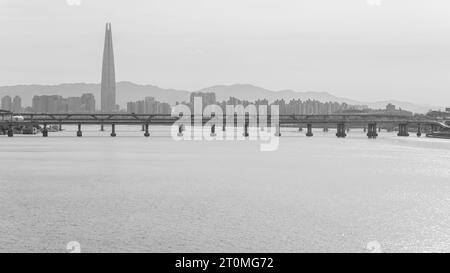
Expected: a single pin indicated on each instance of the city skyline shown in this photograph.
(149, 105)
(127, 91)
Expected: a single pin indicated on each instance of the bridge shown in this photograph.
(342, 122)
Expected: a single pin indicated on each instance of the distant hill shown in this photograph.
(127, 91)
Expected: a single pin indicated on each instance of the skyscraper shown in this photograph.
(17, 104)
(6, 103)
(108, 88)
(88, 103)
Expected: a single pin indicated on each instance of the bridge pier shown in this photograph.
(246, 134)
(45, 131)
(60, 127)
(113, 130)
(180, 130)
(143, 128)
(102, 128)
(79, 133)
(403, 130)
(341, 130)
(278, 130)
(146, 134)
(372, 130)
(325, 129)
(309, 130)
(213, 130)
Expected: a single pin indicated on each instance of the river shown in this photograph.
(136, 194)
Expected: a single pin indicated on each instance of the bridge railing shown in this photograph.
(170, 118)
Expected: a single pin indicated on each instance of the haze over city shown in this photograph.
(351, 48)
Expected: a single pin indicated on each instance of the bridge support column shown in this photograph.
(180, 130)
(246, 134)
(45, 131)
(278, 130)
(10, 132)
(246, 124)
(213, 130)
(146, 134)
(372, 130)
(403, 130)
(113, 130)
(300, 129)
(102, 128)
(79, 133)
(60, 127)
(309, 130)
(325, 129)
(341, 130)
(419, 130)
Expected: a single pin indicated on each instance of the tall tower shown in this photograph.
(108, 89)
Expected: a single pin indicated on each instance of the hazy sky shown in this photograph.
(397, 49)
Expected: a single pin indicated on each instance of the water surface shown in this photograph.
(132, 193)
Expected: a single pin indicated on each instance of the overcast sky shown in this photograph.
(399, 49)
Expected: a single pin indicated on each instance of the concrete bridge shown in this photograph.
(342, 122)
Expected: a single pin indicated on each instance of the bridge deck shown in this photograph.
(167, 119)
